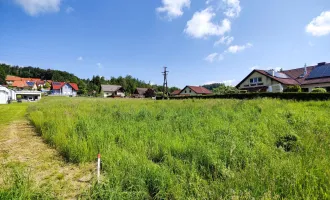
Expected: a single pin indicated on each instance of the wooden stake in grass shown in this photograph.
(98, 167)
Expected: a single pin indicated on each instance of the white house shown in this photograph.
(4, 95)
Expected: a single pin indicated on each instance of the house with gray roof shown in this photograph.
(112, 91)
(144, 93)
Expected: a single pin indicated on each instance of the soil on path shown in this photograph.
(21, 146)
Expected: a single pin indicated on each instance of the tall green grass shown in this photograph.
(194, 149)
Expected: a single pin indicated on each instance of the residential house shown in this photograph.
(64, 89)
(175, 93)
(32, 85)
(10, 79)
(194, 90)
(144, 93)
(4, 95)
(19, 85)
(112, 91)
(28, 95)
(307, 77)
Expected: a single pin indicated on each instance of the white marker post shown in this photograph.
(98, 167)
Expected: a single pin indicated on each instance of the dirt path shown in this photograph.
(20, 146)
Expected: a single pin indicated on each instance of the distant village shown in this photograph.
(306, 79)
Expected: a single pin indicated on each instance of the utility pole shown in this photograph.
(165, 86)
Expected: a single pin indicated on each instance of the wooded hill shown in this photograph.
(86, 86)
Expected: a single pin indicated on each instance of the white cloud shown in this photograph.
(237, 48)
(69, 10)
(224, 40)
(226, 82)
(80, 58)
(320, 25)
(35, 7)
(254, 67)
(100, 66)
(214, 57)
(233, 8)
(208, 2)
(173, 8)
(201, 25)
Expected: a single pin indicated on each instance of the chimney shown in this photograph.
(272, 72)
(321, 63)
(305, 70)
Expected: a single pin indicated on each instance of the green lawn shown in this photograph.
(11, 112)
(194, 149)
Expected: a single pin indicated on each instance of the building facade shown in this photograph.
(64, 89)
(308, 78)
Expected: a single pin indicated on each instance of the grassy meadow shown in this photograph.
(15, 180)
(194, 149)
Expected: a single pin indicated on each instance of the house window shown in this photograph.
(255, 80)
(189, 91)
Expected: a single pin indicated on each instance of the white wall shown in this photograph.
(3, 97)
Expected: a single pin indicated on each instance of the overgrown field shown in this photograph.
(194, 149)
(15, 182)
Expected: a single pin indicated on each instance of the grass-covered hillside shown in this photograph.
(194, 149)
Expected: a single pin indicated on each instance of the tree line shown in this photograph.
(86, 86)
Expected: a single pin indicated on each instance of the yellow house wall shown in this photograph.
(187, 91)
(312, 86)
(265, 80)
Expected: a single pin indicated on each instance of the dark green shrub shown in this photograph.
(288, 143)
(319, 90)
(293, 88)
(299, 96)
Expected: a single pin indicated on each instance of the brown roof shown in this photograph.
(140, 91)
(176, 92)
(295, 76)
(199, 90)
(13, 78)
(19, 84)
(285, 81)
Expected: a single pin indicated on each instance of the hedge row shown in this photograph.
(301, 96)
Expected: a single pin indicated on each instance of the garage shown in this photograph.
(4, 95)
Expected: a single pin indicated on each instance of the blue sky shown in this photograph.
(200, 41)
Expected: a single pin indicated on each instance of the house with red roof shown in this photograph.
(64, 89)
(194, 90)
(175, 93)
(308, 78)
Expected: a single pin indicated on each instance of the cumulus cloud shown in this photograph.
(233, 8)
(173, 8)
(237, 48)
(224, 40)
(35, 7)
(214, 57)
(201, 25)
(320, 25)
